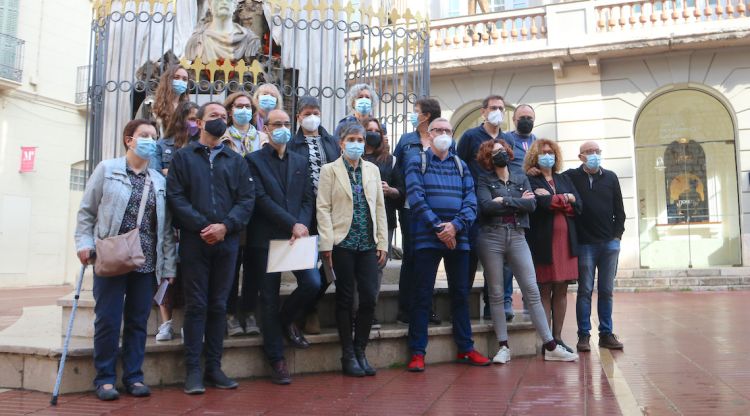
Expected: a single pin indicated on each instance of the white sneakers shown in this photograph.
(251, 326)
(165, 331)
(560, 354)
(502, 356)
(233, 326)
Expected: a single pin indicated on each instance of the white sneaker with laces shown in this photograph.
(251, 325)
(233, 326)
(502, 356)
(560, 354)
(165, 331)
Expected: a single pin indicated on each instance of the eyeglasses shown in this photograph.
(248, 106)
(280, 124)
(591, 152)
(442, 131)
(495, 107)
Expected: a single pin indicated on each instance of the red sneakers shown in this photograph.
(416, 364)
(472, 357)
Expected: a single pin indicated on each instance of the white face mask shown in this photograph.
(495, 117)
(311, 123)
(442, 142)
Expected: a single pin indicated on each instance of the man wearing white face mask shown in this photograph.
(443, 205)
(319, 148)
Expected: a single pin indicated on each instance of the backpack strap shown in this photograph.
(423, 156)
(459, 165)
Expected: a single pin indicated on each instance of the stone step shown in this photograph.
(385, 311)
(30, 351)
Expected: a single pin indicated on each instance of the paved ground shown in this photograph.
(12, 301)
(685, 354)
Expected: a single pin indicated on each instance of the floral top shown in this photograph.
(360, 236)
(148, 225)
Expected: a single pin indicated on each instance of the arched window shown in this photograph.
(465, 120)
(688, 206)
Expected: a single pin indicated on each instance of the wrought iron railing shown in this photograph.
(11, 57)
(82, 84)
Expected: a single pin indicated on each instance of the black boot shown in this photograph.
(359, 353)
(349, 364)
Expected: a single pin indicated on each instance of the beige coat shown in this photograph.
(335, 204)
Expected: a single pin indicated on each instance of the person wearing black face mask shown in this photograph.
(394, 190)
(211, 195)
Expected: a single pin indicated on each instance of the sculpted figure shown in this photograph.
(220, 37)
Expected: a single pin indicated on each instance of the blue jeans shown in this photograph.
(207, 277)
(406, 278)
(601, 256)
(127, 296)
(426, 262)
(507, 289)
(274, 316)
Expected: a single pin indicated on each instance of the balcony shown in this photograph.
(584, 31)
(11, 61)
(82, 86)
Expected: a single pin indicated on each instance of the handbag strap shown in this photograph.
(144, 197)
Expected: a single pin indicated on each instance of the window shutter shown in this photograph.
(9, 17)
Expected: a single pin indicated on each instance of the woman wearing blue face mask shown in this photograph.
(121, 195)
(552, 236)
(353, 233)
(362, 101)
(172, 90)
(266, 98)
(241, 136)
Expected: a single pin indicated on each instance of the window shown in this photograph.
(474, 118)
(688, 204)
(78, 176)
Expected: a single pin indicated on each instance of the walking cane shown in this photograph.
(56, 391)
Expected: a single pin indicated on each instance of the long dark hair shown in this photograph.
(381, 152)
(165, 95)
(177, 127)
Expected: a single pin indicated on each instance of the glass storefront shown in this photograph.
(688, 206)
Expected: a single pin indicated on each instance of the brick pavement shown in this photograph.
(685, 354)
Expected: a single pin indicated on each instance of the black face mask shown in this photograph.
(373, 139)
(525, 125)
(500, 159)
(215, 127)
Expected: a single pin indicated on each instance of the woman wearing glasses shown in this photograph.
(505, 201)
(353, 233)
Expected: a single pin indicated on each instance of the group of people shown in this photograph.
(224, 179)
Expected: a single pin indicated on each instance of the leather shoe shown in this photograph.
(435, 319)
(194, 382)
(216, 378)
(107, 394)
(280, 373)
(295, 337)
(364, 364)
(351, 367)
(138, 390)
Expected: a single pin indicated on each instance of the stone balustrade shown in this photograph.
(635, 15)
(502, 27)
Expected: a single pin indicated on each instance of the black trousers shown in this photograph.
(362, 267)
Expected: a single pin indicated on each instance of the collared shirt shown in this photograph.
(520, 145)
(280, 165)
(147, 230)
(360, 236)
(212, 151)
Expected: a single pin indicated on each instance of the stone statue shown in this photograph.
(220, 37)
(482, 6)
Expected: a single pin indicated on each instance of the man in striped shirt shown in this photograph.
(440, 191)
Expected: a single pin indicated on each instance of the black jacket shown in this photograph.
(392, 175)
(278, 208)
(201, 193)
(543, 218)
(491, 187)
(330, 145)
(603, 216)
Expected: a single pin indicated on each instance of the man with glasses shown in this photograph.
(600, 228)
(443, 205)
(284, 209)
(211, 196)
(493, 112)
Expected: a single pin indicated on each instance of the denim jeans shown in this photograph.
(352, 266)
(129, 297)
(508, 288)
(593, 257)
(496, 244)
(426, 262)
(274, 316)
(208, 274)
(407, 277)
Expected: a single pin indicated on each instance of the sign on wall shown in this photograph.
(28, 157)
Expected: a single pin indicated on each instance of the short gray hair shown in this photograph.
(437, 120)
(307, 101)
(354, 91)
(349, 128)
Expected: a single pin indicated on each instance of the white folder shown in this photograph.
(285, 257)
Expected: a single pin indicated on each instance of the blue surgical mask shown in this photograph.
(363, 105)
(593, 161)
(547, 161)
(414, 119)
(179, 86)
(145, 147)
(282, 135)
(267, 102)
(242, 116)
(354, 150)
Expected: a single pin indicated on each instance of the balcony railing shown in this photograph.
(635, 15)
(11, 57)
(503, 27)
(82, 84)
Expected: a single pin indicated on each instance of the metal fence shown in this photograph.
(317, 48)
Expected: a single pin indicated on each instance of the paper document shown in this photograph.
(159, 296)
(285, 257)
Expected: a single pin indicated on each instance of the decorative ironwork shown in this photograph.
(11, 58)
